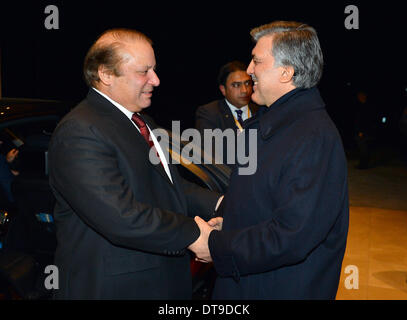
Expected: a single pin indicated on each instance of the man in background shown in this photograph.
(228, 113)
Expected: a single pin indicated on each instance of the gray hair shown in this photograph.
(295, 44)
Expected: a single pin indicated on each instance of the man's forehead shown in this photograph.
(139, 52)
(137, 48)
(263, 46)
(238, 76)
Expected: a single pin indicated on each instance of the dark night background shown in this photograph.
(193, 39)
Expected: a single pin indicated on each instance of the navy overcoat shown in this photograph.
(285, 226)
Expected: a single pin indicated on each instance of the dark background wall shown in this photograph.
(192, 39)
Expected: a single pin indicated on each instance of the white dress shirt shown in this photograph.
(246, 112)
(129, 114)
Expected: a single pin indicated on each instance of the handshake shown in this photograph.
(200, 246)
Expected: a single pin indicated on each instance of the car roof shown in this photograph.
(18, 108)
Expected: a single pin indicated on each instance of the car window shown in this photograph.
(191, 176)
(31, 139)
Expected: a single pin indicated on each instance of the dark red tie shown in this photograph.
(143, 128)
(144, 131)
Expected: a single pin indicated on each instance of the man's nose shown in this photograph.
(243, 88)
(154, 80)
(250, 70)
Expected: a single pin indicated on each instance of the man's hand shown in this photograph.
(216, 223)
(200, 246)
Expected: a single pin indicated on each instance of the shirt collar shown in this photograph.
(233, 108)
(128, 113)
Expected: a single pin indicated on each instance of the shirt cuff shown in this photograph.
(218, 203)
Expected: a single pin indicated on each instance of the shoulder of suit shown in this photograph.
(81, 118)
(82, 111)
(211, 106)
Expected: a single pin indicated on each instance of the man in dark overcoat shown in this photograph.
(285, 226)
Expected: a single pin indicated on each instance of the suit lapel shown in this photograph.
(102, 105)
(159, 167)
(173, 169)
(227, 115)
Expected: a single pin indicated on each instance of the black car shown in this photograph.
(27, 233)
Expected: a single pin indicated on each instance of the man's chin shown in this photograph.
(244, 102)
(256, 100)
(138, 107)
(146, 104)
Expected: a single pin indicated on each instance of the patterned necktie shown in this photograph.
(143, 128)
(145, 133)
(239, 116)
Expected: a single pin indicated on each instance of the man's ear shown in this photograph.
(287, 73)
(105, 75)
(222, 89)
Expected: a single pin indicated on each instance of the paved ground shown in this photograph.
(383, 185)
(377, 239)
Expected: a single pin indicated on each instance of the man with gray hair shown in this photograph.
(285, 227)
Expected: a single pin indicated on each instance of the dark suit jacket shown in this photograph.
(122, 226)
(285, 227)
(217, 115)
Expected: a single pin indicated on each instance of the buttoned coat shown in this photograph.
(122, 226)
(285, 227)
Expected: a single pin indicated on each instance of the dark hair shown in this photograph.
(107, 51)
(228, 68)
